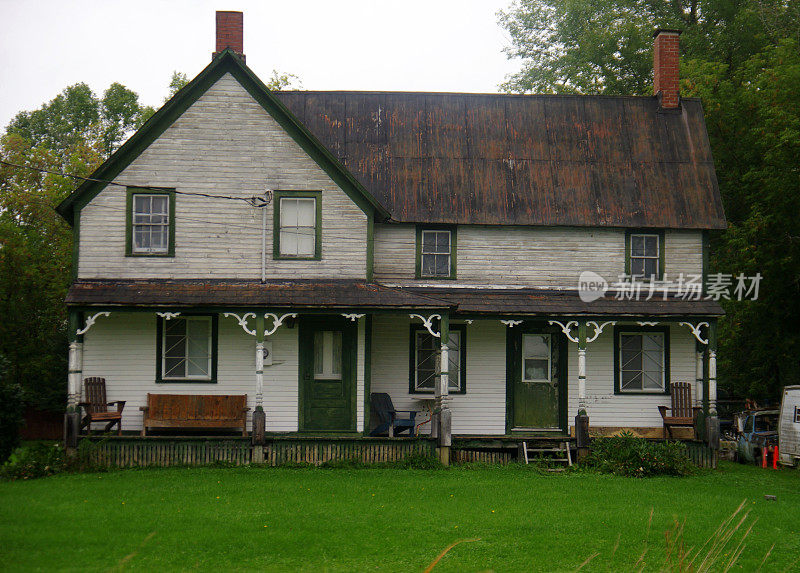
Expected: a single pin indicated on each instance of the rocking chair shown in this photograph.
(96, 406)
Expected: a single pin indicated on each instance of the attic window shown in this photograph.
(435, 253)
(645, 252)
(297, 223)
(151, 222)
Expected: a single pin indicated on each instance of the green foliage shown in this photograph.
(176, 83)
(35, 461)
(281, 80)
(10, 414)
(626, 455)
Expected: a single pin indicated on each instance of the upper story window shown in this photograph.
(436, 253)
(645, 255)
(641, 360)
(151, 222)
(297, 225)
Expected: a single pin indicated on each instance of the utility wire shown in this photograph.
(256, 201)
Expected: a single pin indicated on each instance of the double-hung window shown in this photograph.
(642, 360)
(426, 360)
(646, 255)
(187, 349)
(536, 358)
(150, 222)
(436, 253)
(297, 225)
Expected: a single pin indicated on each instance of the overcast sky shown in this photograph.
(402, 45)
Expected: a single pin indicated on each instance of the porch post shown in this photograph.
(259, 417)
(712, 368)
(442, 392)
(74, 376)
(582, 368)
(698, 380)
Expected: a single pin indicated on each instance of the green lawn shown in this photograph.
(384, 519)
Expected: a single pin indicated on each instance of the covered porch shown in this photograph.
(470, 362)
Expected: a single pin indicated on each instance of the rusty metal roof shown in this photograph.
(297, 294)
(521, 159)
(345, 294)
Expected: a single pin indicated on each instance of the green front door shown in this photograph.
(537, 380)
(327, 374)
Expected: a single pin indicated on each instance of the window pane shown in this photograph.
(637, 245)
(642, 361)
(198, 348)
(428, 242)
(650, 267)
(442, 265)
(428, 265)
(637, 267)
(631, 380)
(336, 353)
(159, 204)
(305, 243)
(141, 204)
(536, 346)
(318, 354)
(306, 212)
(651, 245)
(536, 369)
(174, 367)
(443, 242)
(288, 213)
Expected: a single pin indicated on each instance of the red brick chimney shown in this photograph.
(230, 33)
(666, 49)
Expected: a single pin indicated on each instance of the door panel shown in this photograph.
(537, 379)
(327, 375)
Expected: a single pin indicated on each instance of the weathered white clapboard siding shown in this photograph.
(606, 409)
(481, 410)
(224, 144)
(530, 256)
(122, 349)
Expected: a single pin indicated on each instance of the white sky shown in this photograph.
(402, 45)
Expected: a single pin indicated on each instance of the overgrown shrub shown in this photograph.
(35, 461)
(627, 455)
(10, 418)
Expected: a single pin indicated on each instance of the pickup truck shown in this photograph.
(758, 432)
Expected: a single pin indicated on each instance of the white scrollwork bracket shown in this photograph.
(511, 323)
(168, 315)
(90, 322)
(598, 328)
(647, 323)
(428, 323)
(243, 320)
(566, 328)
(353, 317)
(277, 321)
(696, 330)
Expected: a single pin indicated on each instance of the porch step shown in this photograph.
(560, 454)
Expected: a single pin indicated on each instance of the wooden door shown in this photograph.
(327, 375)
(537, 380)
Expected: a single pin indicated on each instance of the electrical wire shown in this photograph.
(255, 201)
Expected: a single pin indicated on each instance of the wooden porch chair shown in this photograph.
(683, 414)
(96, 406)
(387, 417)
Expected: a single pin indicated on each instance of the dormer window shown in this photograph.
(151, 222)
(436, 253)
(297, 233)
(645, 255)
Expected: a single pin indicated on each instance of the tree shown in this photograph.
(742, 58)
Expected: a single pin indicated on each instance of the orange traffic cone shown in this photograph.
(775, 458)
(764, 455)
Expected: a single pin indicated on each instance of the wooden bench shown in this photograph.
(683, 413)
(195, 411)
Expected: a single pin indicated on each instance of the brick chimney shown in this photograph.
(230, 33)
(666, 48)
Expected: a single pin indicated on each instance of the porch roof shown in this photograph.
(289, 294)
(349, 294)
(543, 302)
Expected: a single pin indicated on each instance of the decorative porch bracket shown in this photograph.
(511, 323)
(696, 331)
(277, 321)
(168, 315)
(243, 320)
(428, 323)
(353, 317)
(90, 322)
(565, 328)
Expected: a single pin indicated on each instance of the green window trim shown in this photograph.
(412, 362)
(626, 329)
(661, 248)
(160, 354)
(129, 221)
(276, 224)
(453, 250)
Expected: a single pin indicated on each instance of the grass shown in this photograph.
(511, 519)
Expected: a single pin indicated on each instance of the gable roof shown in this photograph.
(224, 62)
(522, 159)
